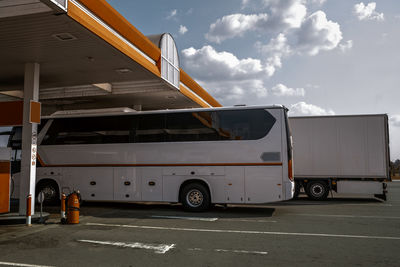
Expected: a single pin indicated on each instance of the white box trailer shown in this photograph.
(347, 154)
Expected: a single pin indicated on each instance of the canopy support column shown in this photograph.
(29, 138)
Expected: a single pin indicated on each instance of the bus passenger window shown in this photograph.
(150, 128)
(191, 126)
(251, 124)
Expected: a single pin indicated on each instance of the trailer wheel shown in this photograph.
(50, 190)
(317, 190)
(195, 197)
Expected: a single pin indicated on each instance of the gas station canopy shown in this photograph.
(90, 57)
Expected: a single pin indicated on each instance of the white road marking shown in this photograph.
(244, 232)
(242, 251)
(344, 216)
(22, 264)
(160, 249)
(186, 218)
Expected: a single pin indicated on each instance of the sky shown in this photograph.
(316, 57)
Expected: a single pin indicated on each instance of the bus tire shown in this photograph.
(50, 190)
(195, 197)
(317, 190)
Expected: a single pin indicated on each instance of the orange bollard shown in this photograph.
(73, 208)
(63, 203)
(28, 210)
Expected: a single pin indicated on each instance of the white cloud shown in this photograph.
(275, 45)
(346, 46)
(317, 33)
(235, 25)
(274, 51)
(283, 90)
(311, 34)
(224, 75)
(395, 120)
(302, 108)
(296, 34)
(182, 29)
(367, 12)
(279, 17)
(172, 14)
(286, 14)
(210, 65)
(317, 2)
(235, 92)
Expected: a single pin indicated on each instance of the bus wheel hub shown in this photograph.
(195, 198)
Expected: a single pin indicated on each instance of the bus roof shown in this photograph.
(129, 111)
(338, 116)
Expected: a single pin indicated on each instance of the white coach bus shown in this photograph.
(195, 156)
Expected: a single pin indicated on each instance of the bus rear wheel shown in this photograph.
(317, 190)
(195, 197)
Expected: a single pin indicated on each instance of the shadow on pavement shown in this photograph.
(141, 210)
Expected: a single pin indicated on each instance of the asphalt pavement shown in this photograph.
(337, 232)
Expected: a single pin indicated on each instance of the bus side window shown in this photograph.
(150, 128)
(251, 124)
(188, 127)
(132, 126)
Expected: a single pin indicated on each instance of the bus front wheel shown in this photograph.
(195, 197)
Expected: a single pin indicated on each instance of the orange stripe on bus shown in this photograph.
(167, 165)
(40, 160)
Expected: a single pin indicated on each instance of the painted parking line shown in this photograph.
(158, 248)
(344, 216)
(244, 232)
(186, 218)
(21, 264)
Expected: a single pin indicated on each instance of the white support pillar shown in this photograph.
(29, 138)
